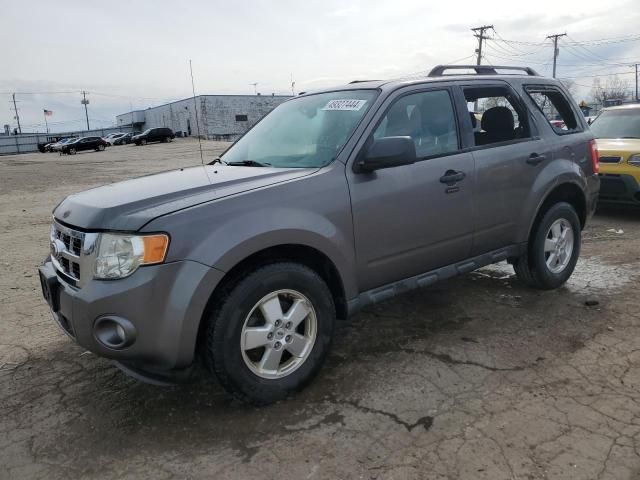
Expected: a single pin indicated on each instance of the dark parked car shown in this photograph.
(154, 135)
(123, 140)
(84, 143)
(335, 200)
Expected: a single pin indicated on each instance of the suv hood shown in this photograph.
(619, 146)
(130, 204)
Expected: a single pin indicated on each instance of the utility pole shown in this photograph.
(555, 49)
(255, 87)
(15, 107)
(478, 32)
(637, 99)
(85, 102)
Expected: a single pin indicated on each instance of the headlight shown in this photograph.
(634, 160)
(119, 255)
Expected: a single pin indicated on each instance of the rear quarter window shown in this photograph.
(555, 107)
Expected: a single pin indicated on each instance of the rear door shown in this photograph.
(563, 121)
(508, 154)
(413, 218)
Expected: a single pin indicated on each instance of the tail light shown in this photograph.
(595, 157)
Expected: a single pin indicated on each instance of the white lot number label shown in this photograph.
(345, 105)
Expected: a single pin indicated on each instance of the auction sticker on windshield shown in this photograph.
(349, 105)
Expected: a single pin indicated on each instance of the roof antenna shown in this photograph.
(195, 105)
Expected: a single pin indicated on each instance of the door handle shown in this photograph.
(535, 159)
(451, 177)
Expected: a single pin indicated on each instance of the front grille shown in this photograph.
(609, 159)
(66, 253)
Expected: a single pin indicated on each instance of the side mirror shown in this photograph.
(386, 152)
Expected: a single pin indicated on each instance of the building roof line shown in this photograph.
(204, 95)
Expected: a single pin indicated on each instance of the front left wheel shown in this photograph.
(270, 333)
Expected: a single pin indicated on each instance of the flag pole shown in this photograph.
(45, 120)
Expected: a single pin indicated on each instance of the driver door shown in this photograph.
(412, 219)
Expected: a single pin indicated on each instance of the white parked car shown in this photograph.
(112, 137)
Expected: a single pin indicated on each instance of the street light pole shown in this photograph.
(15, 108)
(85, 102)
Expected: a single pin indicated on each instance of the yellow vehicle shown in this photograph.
(617, 130)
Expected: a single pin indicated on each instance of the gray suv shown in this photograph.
(337, 199)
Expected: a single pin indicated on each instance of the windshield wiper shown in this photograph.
(217, 160)
(249, 163)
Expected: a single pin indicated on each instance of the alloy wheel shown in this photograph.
(278, 334)
(558, 245)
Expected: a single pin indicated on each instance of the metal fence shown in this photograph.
(28, 142)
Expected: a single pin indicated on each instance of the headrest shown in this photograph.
(497, 119)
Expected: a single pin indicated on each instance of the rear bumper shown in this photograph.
(619, 188)
(160, 307)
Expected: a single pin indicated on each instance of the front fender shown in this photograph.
(258, 230)
(312, 211)
(554, 174)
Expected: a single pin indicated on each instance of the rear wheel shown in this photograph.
(72, 151)
(143, 142)
(270, 333)
(100, 148)
(553, 250)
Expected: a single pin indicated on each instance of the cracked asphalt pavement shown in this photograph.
(475, 378)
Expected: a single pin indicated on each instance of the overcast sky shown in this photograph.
(136, 53)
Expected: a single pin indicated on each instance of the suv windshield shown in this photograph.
(622, 123)
(303, 132)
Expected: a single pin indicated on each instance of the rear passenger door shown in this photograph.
(570, 138)
(413, 218)
(508, 154)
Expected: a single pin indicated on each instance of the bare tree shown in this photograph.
(570, 85)
(614, 88)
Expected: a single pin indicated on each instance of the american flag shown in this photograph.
(47, 113)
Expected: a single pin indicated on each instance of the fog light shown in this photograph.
(114, 332)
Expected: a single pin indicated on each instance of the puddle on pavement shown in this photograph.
(592, 275)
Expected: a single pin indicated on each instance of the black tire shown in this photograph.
(531, 268)
(222, 351)
(100, 148)
(72, 151)
(143, 142)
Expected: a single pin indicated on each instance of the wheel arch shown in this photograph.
(303, 254)
(567, 191)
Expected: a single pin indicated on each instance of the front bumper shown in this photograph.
(164, 304)
(619, 188)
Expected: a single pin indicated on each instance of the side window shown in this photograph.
(496, 115)
(427, 117)
(555, 107)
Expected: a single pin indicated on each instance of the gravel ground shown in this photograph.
(475, 378)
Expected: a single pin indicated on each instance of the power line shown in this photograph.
(518, 50)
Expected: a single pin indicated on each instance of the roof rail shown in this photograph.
(479, 69)
(362, 81)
